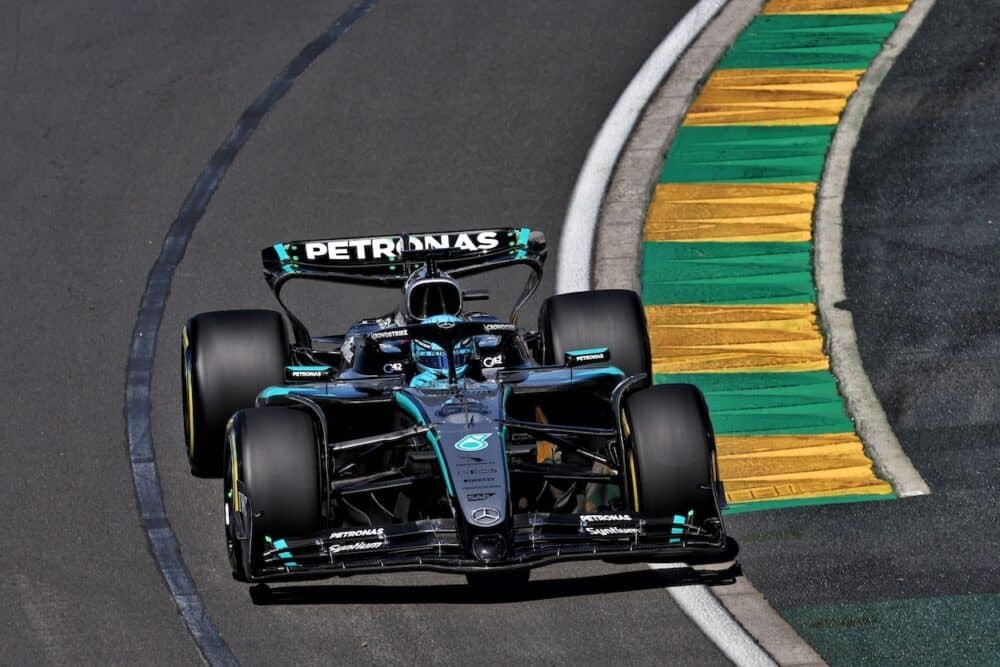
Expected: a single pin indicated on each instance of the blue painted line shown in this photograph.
(142, 351)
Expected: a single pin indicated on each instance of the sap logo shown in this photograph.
(390, 247)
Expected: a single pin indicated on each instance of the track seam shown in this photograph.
(142, 351)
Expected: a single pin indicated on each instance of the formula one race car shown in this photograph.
(441, 439)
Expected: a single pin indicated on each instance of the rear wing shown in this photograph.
(388, 261)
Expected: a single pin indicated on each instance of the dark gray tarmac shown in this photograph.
(427, 115)
(921, 258)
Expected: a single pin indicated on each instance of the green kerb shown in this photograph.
(810, 42)
(800, 403)
(747, 154)
(727, 273)
(762, 505)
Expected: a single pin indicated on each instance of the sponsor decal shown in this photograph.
(367, 545)
(473, 442)
(492, 362)
(391, 334)
(446, 325)
(308, 374)
(479, 480)
(361, 532)
(485, 516)
(354, 546)
(394, 367)
(604, 518)
(481, 471)
(600, 356)
(391, 247)
(611, 530)
(473, 497)
(500, 328)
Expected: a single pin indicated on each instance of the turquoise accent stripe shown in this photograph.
(280, 544)
(412, 409)
(308, 368)
(283, 256)
(271, 392)
(589, 350)
(522, 242)
(285, 554)
(677, 529)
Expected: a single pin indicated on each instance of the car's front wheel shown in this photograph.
(671, 452)
(271, 482)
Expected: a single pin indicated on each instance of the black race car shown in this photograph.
(437, 438)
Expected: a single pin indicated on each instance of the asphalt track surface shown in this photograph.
(425, 116)
(921, 257)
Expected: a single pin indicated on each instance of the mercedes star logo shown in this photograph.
(486, 516)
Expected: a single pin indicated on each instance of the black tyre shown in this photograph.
(602, 318)
(228, 357)
(672, 451)
(272, 486)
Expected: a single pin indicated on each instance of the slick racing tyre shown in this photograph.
(228, 357)
(602, 318)
(671, 452)
(271, 482)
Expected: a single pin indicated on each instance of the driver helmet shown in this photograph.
(431, 358)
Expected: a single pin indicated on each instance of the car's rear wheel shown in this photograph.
(671, 450)
(228, 357)
(272, 487)
(602, 318)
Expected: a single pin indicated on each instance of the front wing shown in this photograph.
(538, 539)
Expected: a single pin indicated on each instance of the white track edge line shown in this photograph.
(717, 623)
(842, 345)
(576, 244)
(574, 273)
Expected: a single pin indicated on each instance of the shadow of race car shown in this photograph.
(441, 439)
